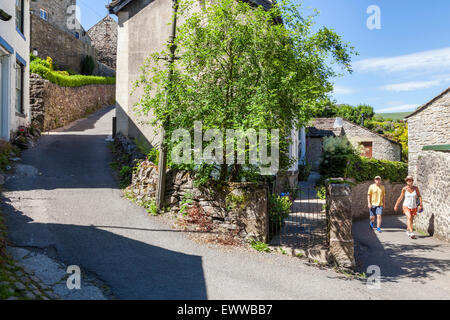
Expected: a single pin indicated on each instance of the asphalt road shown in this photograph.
(74, 207)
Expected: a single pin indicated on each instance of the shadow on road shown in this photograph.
(397, 255)
(134, 269)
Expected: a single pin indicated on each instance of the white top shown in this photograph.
(410, 199)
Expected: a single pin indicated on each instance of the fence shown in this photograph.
(305, 226)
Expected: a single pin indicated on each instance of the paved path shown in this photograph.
(72, 207)
(414, 269)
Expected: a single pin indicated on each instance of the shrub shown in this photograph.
(259, 246)
(340, 159)
(363, 169)
(50, 63)
(304, 170)
(64, 73)
(125, 174)
(87, 65)
(38, 61)
(5, 153)
(279, 209)
(64, 80)
(337, 152)
(321, 191)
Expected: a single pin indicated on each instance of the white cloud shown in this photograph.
(423, 61)
(410, 86)
(343, 90)
(401, 108)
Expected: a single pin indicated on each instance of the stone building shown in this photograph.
(14, 66)
(61, 14)
(373, 144)
(57, 33)
(104, 38)
(429, 163)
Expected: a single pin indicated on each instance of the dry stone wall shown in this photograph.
(433, 180)
(66, 51)
(236, 209)
(53, 106)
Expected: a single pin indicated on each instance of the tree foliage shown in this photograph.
(238, 67)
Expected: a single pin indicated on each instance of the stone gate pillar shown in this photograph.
(339, 219)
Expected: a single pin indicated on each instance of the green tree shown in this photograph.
(241, 67)
(87, 65)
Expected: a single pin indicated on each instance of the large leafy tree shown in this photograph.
(242, 67)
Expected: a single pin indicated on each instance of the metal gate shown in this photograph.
(305, 226)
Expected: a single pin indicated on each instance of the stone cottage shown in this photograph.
(373, 144)
(14, 66)
(57, 33)
(429, 163)
(104, 39)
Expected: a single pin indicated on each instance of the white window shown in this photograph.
(19, 15)
(19, 87)
(44, 14)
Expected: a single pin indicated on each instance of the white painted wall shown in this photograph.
(21, 46)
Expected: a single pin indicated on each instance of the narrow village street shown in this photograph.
(65, 201)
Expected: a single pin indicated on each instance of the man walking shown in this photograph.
(376, 200)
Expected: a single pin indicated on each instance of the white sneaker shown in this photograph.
(412, 235)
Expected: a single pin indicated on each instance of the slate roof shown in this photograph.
(324, 127)
(117, 5)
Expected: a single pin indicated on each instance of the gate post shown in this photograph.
(339, 221)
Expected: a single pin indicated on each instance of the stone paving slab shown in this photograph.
(51, 277)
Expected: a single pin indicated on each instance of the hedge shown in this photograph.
(364, 169)
(38, 66)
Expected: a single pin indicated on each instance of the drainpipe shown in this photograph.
(162, 166)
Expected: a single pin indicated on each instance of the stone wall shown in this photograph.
(339, 220)
(433, 180)
(65, 50)
(104, 38)
(430, 126)
(359, 198)
(237, 209)
(382, 148)
(60, 16)
(53, 106)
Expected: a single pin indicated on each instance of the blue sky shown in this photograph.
(399, 67)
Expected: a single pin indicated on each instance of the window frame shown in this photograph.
(20, 69)
(45, 12)
(20, 23)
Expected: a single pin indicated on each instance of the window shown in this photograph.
(44, 14)
(77, 35)
(19, 87)
(19, 15)
(367, 149)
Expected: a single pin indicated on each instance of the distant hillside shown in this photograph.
(394, 116)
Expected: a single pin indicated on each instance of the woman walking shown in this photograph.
(411, 194)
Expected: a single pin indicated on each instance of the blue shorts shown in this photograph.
(376, 211)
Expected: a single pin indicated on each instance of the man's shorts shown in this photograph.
(376, 211)
(411, 211)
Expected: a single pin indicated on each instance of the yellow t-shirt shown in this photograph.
(376, 194)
